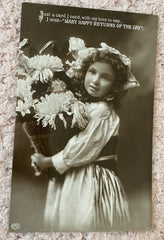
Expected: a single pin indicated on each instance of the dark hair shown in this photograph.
(121, 75)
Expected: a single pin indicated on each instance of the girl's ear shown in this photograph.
(115, 88)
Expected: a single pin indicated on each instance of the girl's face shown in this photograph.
(99, 79)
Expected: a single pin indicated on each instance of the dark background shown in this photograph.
(136, 113)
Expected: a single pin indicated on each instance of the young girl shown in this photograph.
(89, 196)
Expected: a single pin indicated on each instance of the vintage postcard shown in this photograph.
(84, 116)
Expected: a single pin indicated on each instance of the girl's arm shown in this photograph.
(40, 162)
(85, 147)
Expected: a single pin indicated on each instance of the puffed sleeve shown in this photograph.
(85, 147)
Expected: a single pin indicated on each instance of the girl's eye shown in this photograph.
(91, 70)
(106, 77)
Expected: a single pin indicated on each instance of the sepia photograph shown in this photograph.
(84, 117)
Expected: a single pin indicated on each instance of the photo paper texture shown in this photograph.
(83, 134)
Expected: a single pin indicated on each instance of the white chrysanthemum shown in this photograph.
(44, 66)
(71, 73)
(75, 45)
(52, 105)
(74, 67)
(58, 86)
(21, 72)
(24, 88)
(24, 106)
(80, 115)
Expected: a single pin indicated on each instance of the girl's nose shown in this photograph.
(96, 79)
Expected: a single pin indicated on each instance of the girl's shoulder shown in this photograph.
(102, 110)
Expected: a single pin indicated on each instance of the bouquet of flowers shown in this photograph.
(50, 113)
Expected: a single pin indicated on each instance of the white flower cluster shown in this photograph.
(75, 45)
(55, 104)
(31, 70)
(52, 105)
(25, 96)
(41, 68)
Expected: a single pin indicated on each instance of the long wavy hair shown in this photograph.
(121, 75)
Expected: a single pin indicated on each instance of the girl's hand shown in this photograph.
(40, 163)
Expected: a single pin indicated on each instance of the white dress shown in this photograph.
(89, 198)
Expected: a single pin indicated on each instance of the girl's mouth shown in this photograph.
(93, 88)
